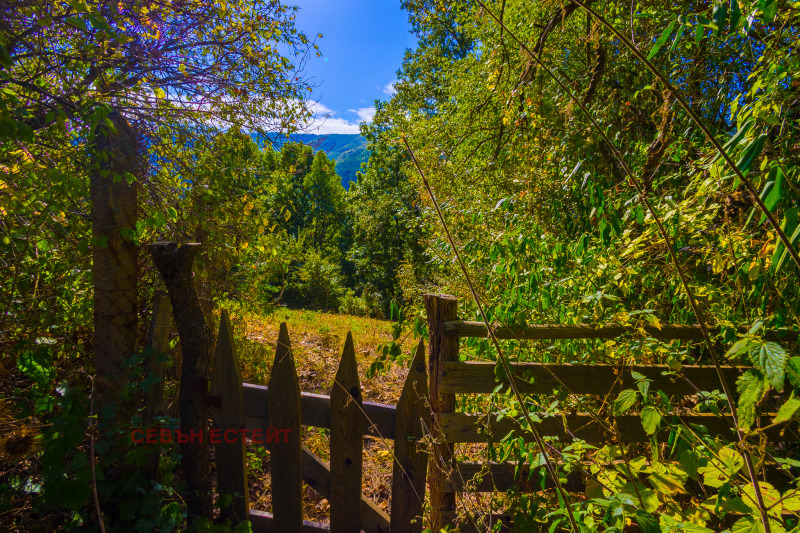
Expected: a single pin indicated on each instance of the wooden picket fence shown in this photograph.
(449, 376)
(426, 410)
(282, 406)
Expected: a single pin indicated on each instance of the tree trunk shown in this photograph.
(114, 268)
(175, 266)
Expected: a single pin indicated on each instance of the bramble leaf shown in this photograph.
(750, 387)
(651, 419)
(625, 401)
(720, 470)
(770, 358)
(787, 410)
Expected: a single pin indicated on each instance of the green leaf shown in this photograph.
(769, 8)
(720, 17)
(769, 494)
(790, 228)
(787, 410)
(671, 525)
(747, 525)
(791, 500)
(677, 38)
(793, 371)
(739, 348)
(615, 223)
(605, 232)
(750, 153)
(773, 190)
(71, 494)
(625, 401)
(5, 58)
(750, 387)
(720, 470)
(770, 358)
(36, 365)
(736, 14)
(76, 23)
(662, 40)
(647, 522)
(8, 128)
(690, 462)
(734, 141)
(651, 419)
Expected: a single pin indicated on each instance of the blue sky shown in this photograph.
(362, 45)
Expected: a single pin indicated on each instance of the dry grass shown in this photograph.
(317, 342)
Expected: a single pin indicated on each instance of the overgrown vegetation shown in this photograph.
(559, 217)
(553, 229)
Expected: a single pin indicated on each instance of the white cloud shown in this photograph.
(326, 122)
(389, 88)
(364, 114)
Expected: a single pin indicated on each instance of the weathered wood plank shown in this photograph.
(347, 444)
(317, 475)
(226, 382)
(542, 378)
(410, 461)
(462, 328)
(264, 522)
(316, 412)
(155, 370)
(500, 477)
(283, 401)
(440, 309)
(461, 427)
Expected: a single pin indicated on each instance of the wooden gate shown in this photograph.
(275, 415)
(450, 376)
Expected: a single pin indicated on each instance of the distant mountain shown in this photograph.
(349, 151)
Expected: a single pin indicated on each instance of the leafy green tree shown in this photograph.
(180, 73)
(549, 222)
(388, 228)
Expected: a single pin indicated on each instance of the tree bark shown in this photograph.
(114, 266)
(175, 266)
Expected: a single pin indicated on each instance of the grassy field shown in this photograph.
(317, 341)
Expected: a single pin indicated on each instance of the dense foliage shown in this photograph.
(553, 229)
(576, 188)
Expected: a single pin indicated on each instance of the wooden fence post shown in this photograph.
(347, 444)
(283, 404)
(174, 263)
(440, 308)
(228, 414)
(410, 461)
(155, 370)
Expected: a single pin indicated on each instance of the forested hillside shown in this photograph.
(556, 162)
(349, 151)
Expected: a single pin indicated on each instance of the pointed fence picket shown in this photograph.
(281, 409)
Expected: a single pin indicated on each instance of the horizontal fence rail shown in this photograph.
(474, 428)
(543, 378)
(463, 328)
(449, 376)
(315, 412)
